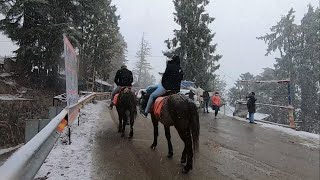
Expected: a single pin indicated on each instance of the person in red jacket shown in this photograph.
(216, 103)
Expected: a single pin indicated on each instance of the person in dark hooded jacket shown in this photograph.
(123, 78)
(206, 98)
(171, 80)
(251, 105)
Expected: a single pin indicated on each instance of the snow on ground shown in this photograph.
(302, 134)
(230, 110)
(315, 138)
(73, 161)
(4, 151)
(5, 74)
(9, 97)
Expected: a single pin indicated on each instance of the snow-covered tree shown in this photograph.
(37, 28)
(142, 66)
(193, 41)
(299, 60)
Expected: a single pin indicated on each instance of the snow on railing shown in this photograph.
(25, 162)
(290, 109)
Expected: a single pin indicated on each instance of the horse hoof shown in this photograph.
(153, 146)
(169, 156)
(185, 170)
(122, 135)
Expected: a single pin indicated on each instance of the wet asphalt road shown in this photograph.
(229, 149)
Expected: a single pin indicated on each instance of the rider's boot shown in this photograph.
(111, 105)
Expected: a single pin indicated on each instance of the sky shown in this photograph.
(237, 25)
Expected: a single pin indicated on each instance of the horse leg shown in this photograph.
(131, 124)
(155, 132)
(168, 136)
(184, 156)
(189, 152)
(120, 122)
(124, 123)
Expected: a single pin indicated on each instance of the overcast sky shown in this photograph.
(237, 24)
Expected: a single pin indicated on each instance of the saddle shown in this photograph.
(124, 89)
(158, 104)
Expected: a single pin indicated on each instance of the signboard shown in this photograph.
(71, 69)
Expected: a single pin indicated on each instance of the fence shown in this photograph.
(25, 163)
(287, 111)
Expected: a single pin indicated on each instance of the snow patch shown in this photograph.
(302, 134)
(314, 139)
(4, 151)
(9, 97)
(5, 74)
(73, 161)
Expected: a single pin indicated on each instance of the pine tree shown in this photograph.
(142, 66)
(100, 41)
(308, 60)
(283, 38)
(37, 28)
(299, 60)
(193, 42)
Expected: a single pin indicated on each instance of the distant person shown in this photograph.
(216, 103)
(251, 105)
(191, 95)
(206, 98)
(123, 78)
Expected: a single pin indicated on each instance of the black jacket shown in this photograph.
(123, 77)
(251, 104)
(172, 77)
(206, 96)
(191, 95)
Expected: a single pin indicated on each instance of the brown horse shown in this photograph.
(181, 113)
(127, 109)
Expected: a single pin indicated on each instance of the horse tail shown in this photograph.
(194, 126)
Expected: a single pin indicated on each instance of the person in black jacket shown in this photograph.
(251, 105)
(123, 78)
(206, 98)
(171, 80)
(191, 95)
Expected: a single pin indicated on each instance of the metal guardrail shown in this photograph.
(25, 163)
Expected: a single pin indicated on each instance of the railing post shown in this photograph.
(291, 117)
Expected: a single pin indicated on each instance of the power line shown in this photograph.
(227, 75)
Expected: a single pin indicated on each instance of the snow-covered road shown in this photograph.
(229, 149)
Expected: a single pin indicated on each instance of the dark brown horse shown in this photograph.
(181, 113)
(127, 109)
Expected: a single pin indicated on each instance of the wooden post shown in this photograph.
(291, 117)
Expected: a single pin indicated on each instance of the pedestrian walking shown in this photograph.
(216, 103)
(191, 95)
(251, 105)
(206, 98)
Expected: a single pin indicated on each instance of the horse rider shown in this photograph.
(123, 78)
(171, 81)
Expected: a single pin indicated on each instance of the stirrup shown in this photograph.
(145, 115)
